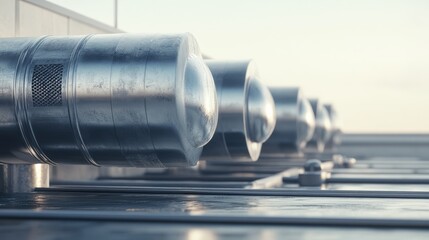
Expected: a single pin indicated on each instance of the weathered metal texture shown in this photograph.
(108, 100)
(247, 115)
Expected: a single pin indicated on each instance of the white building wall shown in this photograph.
(25, 18)
(36, 21)
(76, 28)
(7, 18)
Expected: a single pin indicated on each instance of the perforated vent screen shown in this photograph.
(46, 85)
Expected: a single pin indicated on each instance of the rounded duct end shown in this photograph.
(323, 128)
(261, 112)
(200, 101)
(335, 138)
(306, 123)
(294, 126)
(246, 112)
(196, 106)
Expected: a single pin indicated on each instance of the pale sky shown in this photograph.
(370, 58)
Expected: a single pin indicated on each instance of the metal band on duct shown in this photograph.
(114, 100)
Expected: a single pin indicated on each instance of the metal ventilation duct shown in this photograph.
(295, 123)
(323, 130)
(246, 112)
(336, 131)
(118, 100)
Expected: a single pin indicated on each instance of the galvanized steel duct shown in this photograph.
(115, 100)
(246, 112)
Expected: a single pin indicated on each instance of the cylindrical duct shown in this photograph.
(295, 123)
(323, 129)
(246, 112)
(335, 138)
(115, 100)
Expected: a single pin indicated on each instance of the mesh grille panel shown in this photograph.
(46, 85)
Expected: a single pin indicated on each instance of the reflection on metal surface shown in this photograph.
(295, 123)
(247, 114)
(335, 138)
(221, 205)
(322, 132)
(86, 230)
(200, 233)
(284, 203)
(17, 178)
(150, 101)
(193, 206)
(120, 99)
